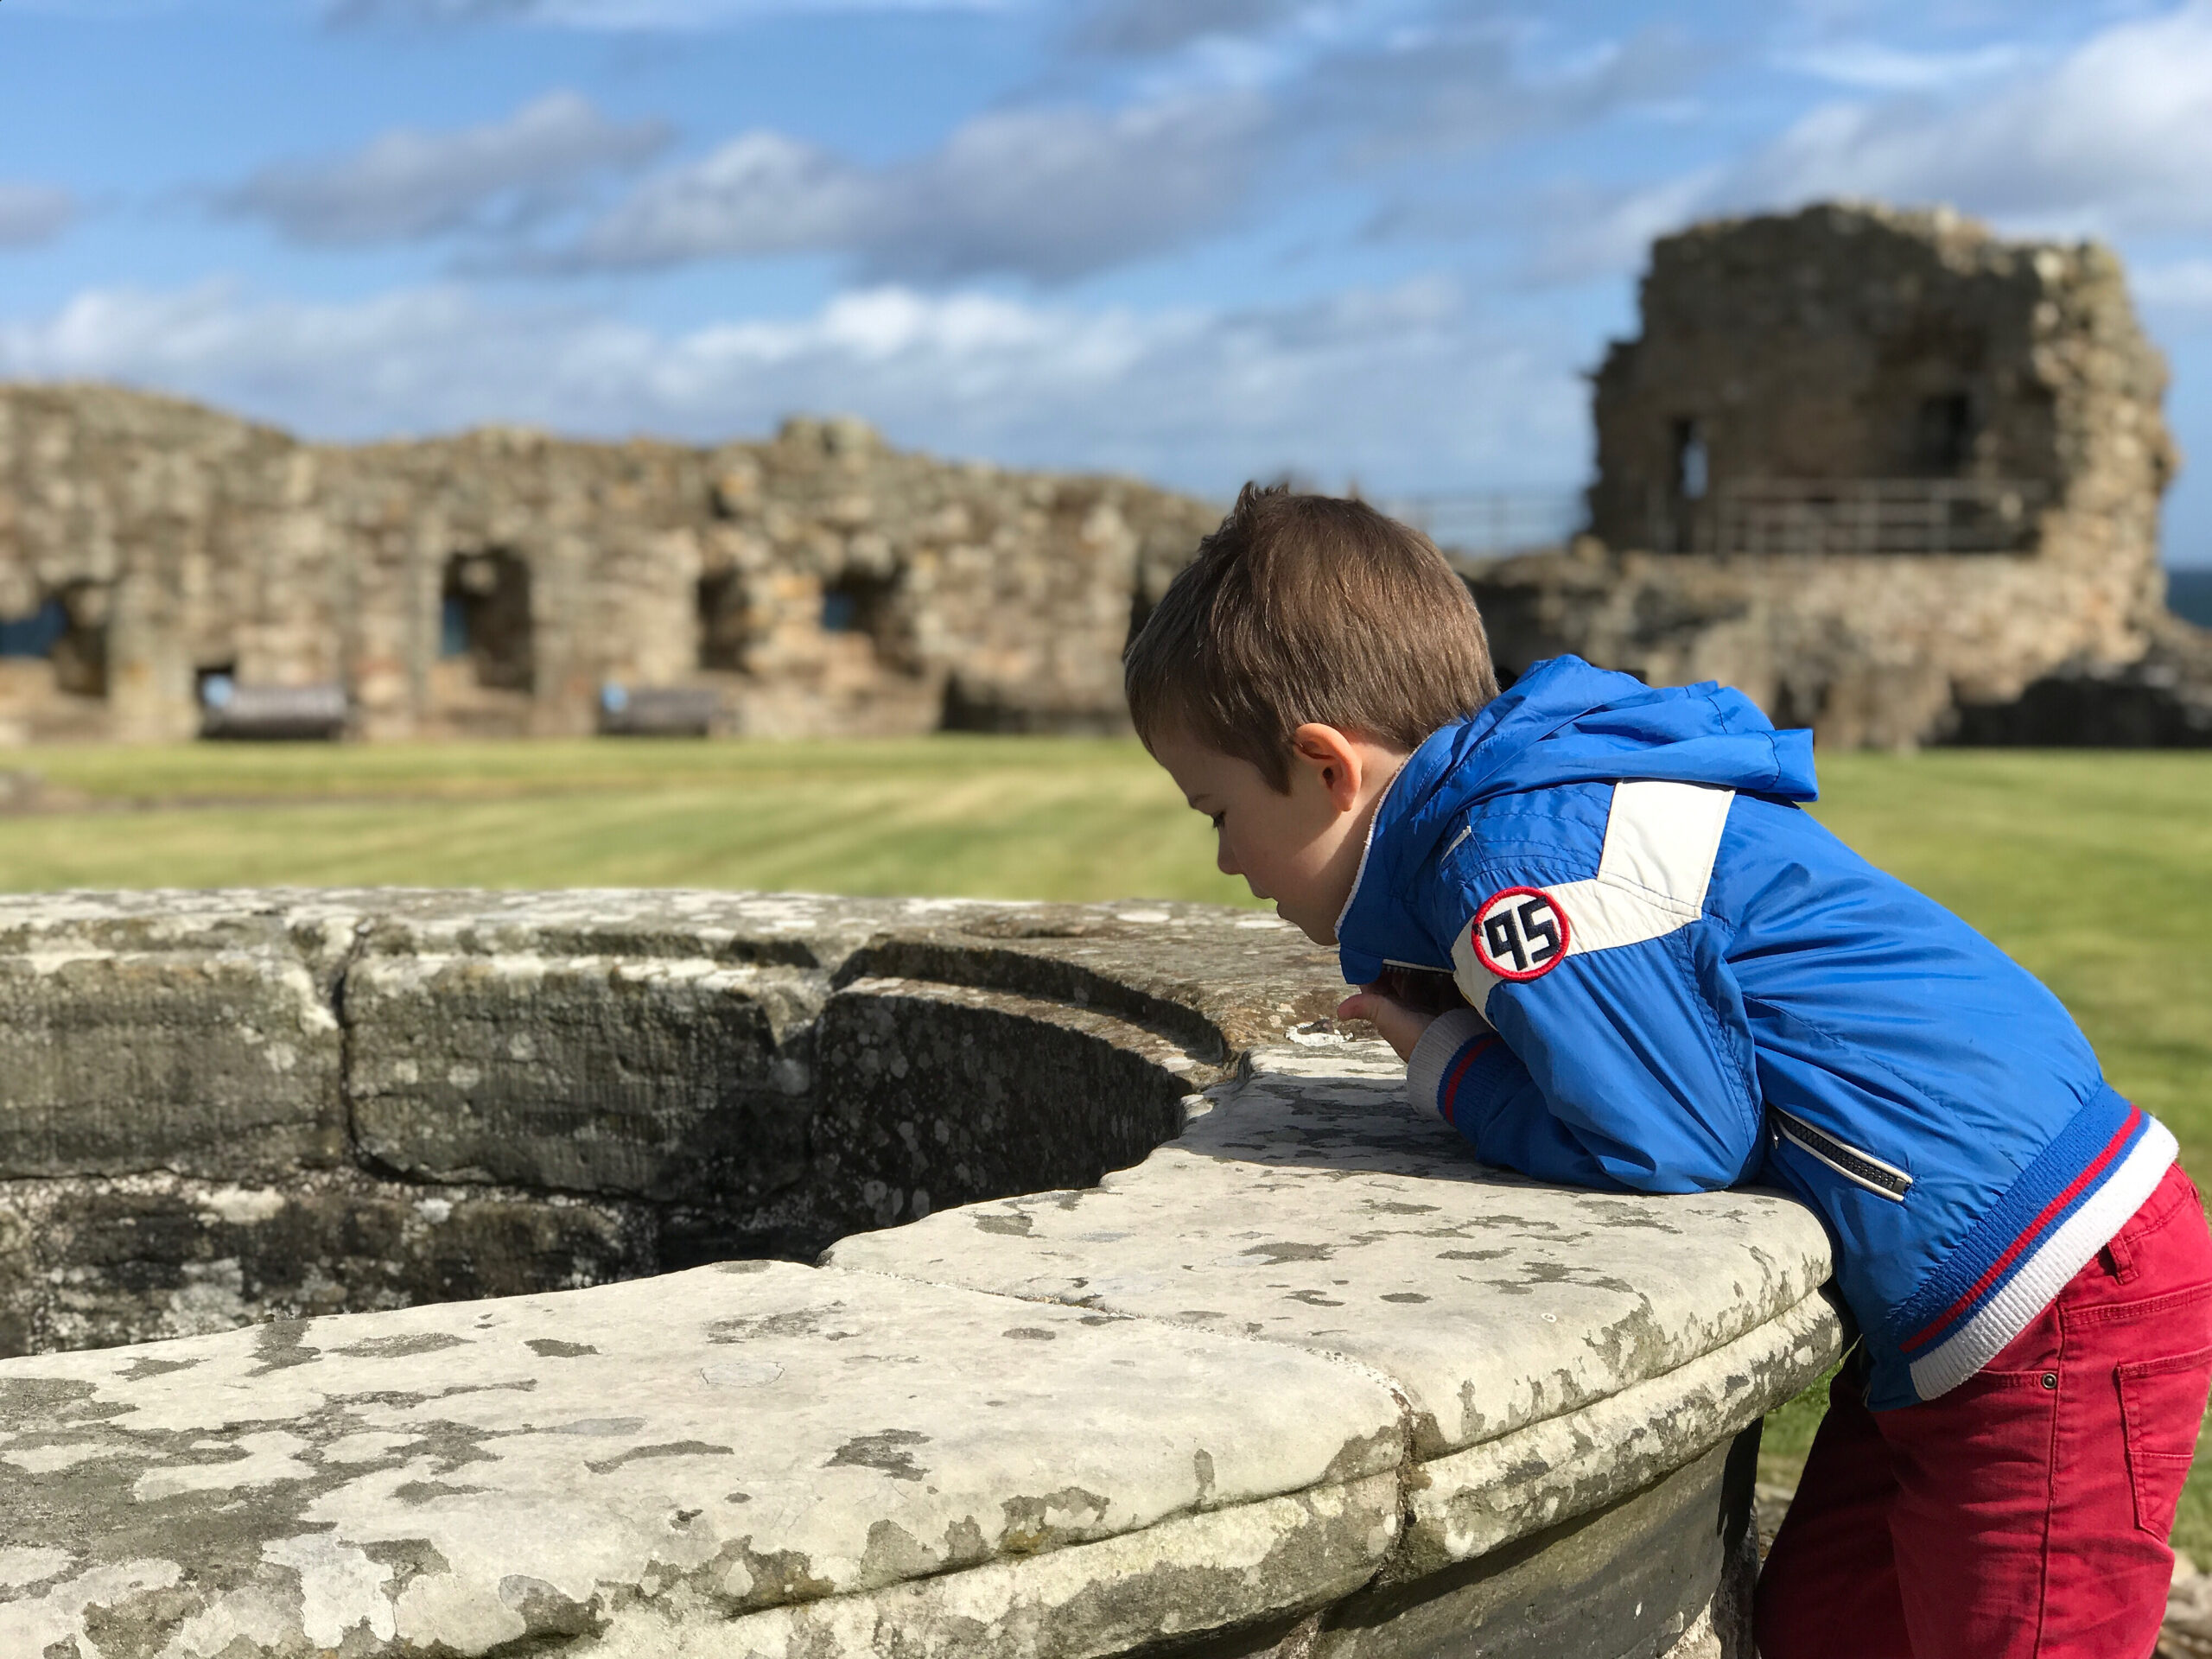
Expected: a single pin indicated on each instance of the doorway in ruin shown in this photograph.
(723, 628)
(68, 630)
(1943, 432)
(483, 619)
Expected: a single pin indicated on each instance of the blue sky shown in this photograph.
(1192, 240)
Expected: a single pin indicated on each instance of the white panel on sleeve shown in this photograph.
(1660, 843)
(1662, 838)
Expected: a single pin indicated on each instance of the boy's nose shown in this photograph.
(1222, 860)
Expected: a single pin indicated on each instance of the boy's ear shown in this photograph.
(1334, 760)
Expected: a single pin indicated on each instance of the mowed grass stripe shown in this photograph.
(958, 817)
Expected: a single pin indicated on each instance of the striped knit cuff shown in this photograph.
(1432, 1058)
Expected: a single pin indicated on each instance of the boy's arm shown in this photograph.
(1606, 1042)
(1459, 1060)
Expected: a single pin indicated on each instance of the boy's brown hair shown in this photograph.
(1307, 607)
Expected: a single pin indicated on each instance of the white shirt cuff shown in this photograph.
(1446, 1035)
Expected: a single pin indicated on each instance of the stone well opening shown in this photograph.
(247, 1116)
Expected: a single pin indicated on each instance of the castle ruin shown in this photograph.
(1895, 477)
(162, 565)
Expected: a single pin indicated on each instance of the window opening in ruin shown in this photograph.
(484, 615)
(855, 604)
(1693, 461)
(68, 629)
(721, 621)
(1943, 435)
(452, 626)
(37, 634)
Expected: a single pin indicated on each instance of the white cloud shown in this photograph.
(2107, 140)
(623, 15)
(1872, 66)
(32, 213)
(2112, 137)
(761, 193)
(1049, 194)
(1055, 193)
(1465, 87)
(405, 185)
(1401, 387)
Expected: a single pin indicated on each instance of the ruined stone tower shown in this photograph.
(1851, 379)
(1879, 469)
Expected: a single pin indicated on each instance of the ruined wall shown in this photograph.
(493, 584)
(1843, 349)
(1885, 652)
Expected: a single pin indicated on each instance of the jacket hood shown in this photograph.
(1564, 721)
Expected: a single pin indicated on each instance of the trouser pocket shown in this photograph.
(2161, 1408)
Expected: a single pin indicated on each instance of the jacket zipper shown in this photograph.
(1861, 1168)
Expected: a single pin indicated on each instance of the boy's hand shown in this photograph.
(1400, 1023)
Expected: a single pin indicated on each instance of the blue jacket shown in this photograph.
(1685, 982)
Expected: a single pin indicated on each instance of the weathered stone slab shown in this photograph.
(621, 1049)
(650, 1045)
(1654, 1572)
(667, 1455)
(936, 1095)
(648, 1077)
(97, 1263)
(1300, 1372)
(1202, 974)
(794, 930)
(1469, 1502)
(1249, 1569)
(1312, 1205)
(167, 1031)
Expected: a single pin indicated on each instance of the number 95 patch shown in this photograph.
(1519, 933)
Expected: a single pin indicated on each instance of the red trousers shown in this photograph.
(2024, 1513)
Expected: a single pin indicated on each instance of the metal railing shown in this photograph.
(1785, 517)
(1493, 521)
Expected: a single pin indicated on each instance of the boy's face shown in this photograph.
(1300, 849)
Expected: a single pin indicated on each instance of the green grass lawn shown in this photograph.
(977, 817)
(2095, 870)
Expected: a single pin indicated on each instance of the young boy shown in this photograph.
(1676, 980)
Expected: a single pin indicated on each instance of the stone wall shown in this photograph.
(230, 1107)
(494, 583)
(1156, 1323)
(1887, 653)
(1850, 348)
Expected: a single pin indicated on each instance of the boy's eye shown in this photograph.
(1215, 818)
